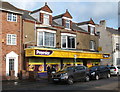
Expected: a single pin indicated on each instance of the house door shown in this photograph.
(11, 66)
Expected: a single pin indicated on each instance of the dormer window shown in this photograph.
(67, 25)
(46, 19)
(91, 30)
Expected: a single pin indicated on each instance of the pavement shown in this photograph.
(43, 84)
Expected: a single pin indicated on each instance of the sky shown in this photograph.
(81, 10)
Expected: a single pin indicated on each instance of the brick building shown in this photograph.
(31, 40)
(58, 41)
(11, 21)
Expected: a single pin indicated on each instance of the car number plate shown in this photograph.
(56, 79)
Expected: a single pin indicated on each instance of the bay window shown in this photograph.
(46, 39)
(68, 41)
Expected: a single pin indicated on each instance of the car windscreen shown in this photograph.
(112, 67)
(67, 69)
(93, 68)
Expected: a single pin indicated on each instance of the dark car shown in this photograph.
(71, 74)
(97, 72)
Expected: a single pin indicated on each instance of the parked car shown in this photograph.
(115, 70)
(71, 74)
(97, 72)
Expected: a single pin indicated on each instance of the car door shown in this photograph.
(77, 73)
(82, 71)
(102, 71)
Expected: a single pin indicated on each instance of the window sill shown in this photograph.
(67, 28)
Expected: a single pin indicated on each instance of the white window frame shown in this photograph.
(13, 15)
(67, 21)
(11, 39)
(46, 18)
(92, 43)
(92, 30)
(92, 26)
(66, 34)
(118, 46)
(43, 31)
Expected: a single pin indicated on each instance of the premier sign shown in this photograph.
(106, 55)
(43, 52)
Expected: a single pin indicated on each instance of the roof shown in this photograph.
(26, 15)
(75, 27)
(9, 7)
(56, 24)
(87, 22)
(44, 8)
(112, 31)
(66, 14)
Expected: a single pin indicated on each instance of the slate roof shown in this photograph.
(112, 31)
(26, 15)
(75, 27)
(86, 22)
(9, 7)
(58, 16)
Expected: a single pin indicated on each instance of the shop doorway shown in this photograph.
(85, 63)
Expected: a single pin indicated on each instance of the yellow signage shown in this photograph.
(45, 52)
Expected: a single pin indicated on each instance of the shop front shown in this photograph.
(39, 58)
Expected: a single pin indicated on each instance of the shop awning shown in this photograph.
(60, 53)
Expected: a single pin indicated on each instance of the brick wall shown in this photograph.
(10, 28)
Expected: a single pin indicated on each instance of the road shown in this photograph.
(102, 84)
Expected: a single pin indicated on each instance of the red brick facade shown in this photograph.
(9, 27)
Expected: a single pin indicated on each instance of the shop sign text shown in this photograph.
(43, 52)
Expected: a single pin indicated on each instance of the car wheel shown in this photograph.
(87, 78)
(70, 81)
(108, 75)
(97, 77)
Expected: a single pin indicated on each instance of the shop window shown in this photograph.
(11, 17)
(46, 39)
(68, 42)
(46, 19)
(11, 39)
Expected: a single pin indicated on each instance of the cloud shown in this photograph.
(81, 10)
(23, 4)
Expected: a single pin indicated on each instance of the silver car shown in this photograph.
(115, 70)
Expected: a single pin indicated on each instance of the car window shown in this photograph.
(67, 69)
(112, 67)
(102, 67)
(93, 68)
(80, 68)
(118, 67)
